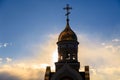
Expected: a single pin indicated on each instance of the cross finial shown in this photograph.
(67, 8)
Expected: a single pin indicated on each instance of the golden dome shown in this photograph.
(67, 34)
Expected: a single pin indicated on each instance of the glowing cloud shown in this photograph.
(8, 59)
(104, 60)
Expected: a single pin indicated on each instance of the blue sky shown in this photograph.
(25, 24)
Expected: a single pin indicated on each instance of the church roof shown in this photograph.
(67, 34)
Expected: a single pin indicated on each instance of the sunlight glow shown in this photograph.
(40, 66)
(43, 66)
(55, 56)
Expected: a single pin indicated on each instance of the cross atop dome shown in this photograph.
(67, 8)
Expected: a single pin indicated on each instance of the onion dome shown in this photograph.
(67, 34)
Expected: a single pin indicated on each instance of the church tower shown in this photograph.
(67, 67)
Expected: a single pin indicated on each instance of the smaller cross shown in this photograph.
(67, 8)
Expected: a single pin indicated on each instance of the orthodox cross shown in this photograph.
(67, 8)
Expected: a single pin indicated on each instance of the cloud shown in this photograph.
(8, 76)
(104, 60)
(106, 73)
(19, 71)
(1, 60)
(44, 52)
(4, 45)
(113, 46)
(115, 40)
(103, 44)
(8, 59)
(101, 58)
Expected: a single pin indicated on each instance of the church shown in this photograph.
(67, 67)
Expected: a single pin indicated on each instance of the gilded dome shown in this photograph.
(67, 34)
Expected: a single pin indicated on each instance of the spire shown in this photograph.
(67, 8)
(67, 34)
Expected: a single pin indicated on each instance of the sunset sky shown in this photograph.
(29, 30)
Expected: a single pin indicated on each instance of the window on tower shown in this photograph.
(68, 57)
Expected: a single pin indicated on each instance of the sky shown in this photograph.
(29, 30)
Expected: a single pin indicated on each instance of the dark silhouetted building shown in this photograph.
(67, 67)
